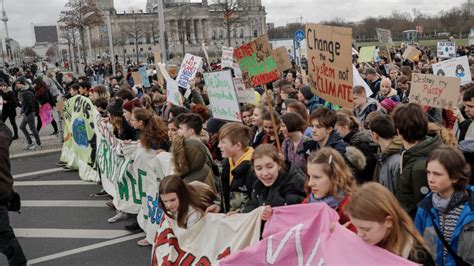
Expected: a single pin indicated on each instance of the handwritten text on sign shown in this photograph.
(434, 91)
(330, 68)
(222, 95)
(188, 70)
(256, 62)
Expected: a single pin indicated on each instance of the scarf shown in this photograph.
(247, 156)
(445, 205)
(331, 200)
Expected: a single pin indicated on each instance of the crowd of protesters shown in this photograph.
(397, 173)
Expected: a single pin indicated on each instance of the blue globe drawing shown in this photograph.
(79, 133)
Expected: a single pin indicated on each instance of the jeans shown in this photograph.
(12, 122)
(9, 245)
(30, 120)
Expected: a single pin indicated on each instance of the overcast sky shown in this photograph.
(22, 13)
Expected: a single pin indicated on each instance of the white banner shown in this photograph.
(214, 237)
(456, 68)
(243, 94)
(227, 57)
(446, 50)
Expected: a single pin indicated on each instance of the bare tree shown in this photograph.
(233, 14)
(28, 51)
(136, 32)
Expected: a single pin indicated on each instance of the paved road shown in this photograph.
(60, 224)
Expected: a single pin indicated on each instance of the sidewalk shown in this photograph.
(48, 141)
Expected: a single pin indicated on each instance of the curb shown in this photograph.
(33, 153)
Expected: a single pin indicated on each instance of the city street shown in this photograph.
(60, 224)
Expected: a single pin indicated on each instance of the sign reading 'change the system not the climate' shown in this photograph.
(330, 63)
(434, 91)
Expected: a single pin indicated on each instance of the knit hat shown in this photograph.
(388, 104)
(130, 105)
(306, 91)
(115, 107)
(214, 125)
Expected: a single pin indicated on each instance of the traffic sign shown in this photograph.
(299, 35)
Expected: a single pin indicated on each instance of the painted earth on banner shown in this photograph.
(79, 137)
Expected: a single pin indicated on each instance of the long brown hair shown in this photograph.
(154, 130)
(197, 196)
(374, 202)
(336, 168)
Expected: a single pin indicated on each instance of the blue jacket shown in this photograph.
(462, 240)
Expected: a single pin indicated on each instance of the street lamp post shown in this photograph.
(161, 18)
(111, 43)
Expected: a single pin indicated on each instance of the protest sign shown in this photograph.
(281, 58)
(411, 53)
(434, 91)
(222, 95)
(144, 77)
(188, 70)
(366, 54)
(256, 62)
(456, 67)
(157, 54)
(330, 70)
(192, 246)
(301, 235)
(446, 50)
(46, 114)
(227, 57)
(163, 71)
(79, 137)
(172, 93)
(384, 36)
(245, 95)
(137, 78)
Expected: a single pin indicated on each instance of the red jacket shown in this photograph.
(343, 218)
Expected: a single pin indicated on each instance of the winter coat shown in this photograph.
(9, 108)
(389, 165)
(467, 148)
(314, 103)
(29, 104)
(237, 193)
(362, 140)
(371, 106)
(412, 186)
(392, 95)
(288, 189)
(375, 87)
(334, 141)
(6, 178)
(462, 239)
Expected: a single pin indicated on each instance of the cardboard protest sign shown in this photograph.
(137, 78)
(163, 71)
(384, 36)
(227, 59)
(366, 54)
(456, 67)
(300, 235)
(144, 77)
(446, 50)
(221, 92)
(192, 246)
(256, 62)
(79, 137)
(281, 58)
(411, 53)
(172, 93)
(188, 70)
(434, 91)
(157, 54)
(245, 95)
(330, 51)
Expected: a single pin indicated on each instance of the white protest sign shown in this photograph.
(456, 67)
(172, 92)
(243, 94)
(434, 91)
(357, 80)
(188, 69)
(237, 70)
(224, 104)
(384, 36)
(227, 57)
(446, 50)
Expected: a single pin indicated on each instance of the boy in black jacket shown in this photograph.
(29, 107)
(9, 106)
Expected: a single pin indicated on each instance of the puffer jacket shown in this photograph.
(462, 240)
(237, 193)
(412, 186)
(388, 169)
(288, 189)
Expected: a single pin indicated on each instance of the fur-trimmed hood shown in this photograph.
(355, 158)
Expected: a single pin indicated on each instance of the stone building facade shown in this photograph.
(188, 26)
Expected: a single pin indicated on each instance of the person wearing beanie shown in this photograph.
(388, 105)
(214, 125)
(122, 129)
(128, 108)
(306, 96)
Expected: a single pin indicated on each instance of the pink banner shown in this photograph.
(300, 235)
(46, 114)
